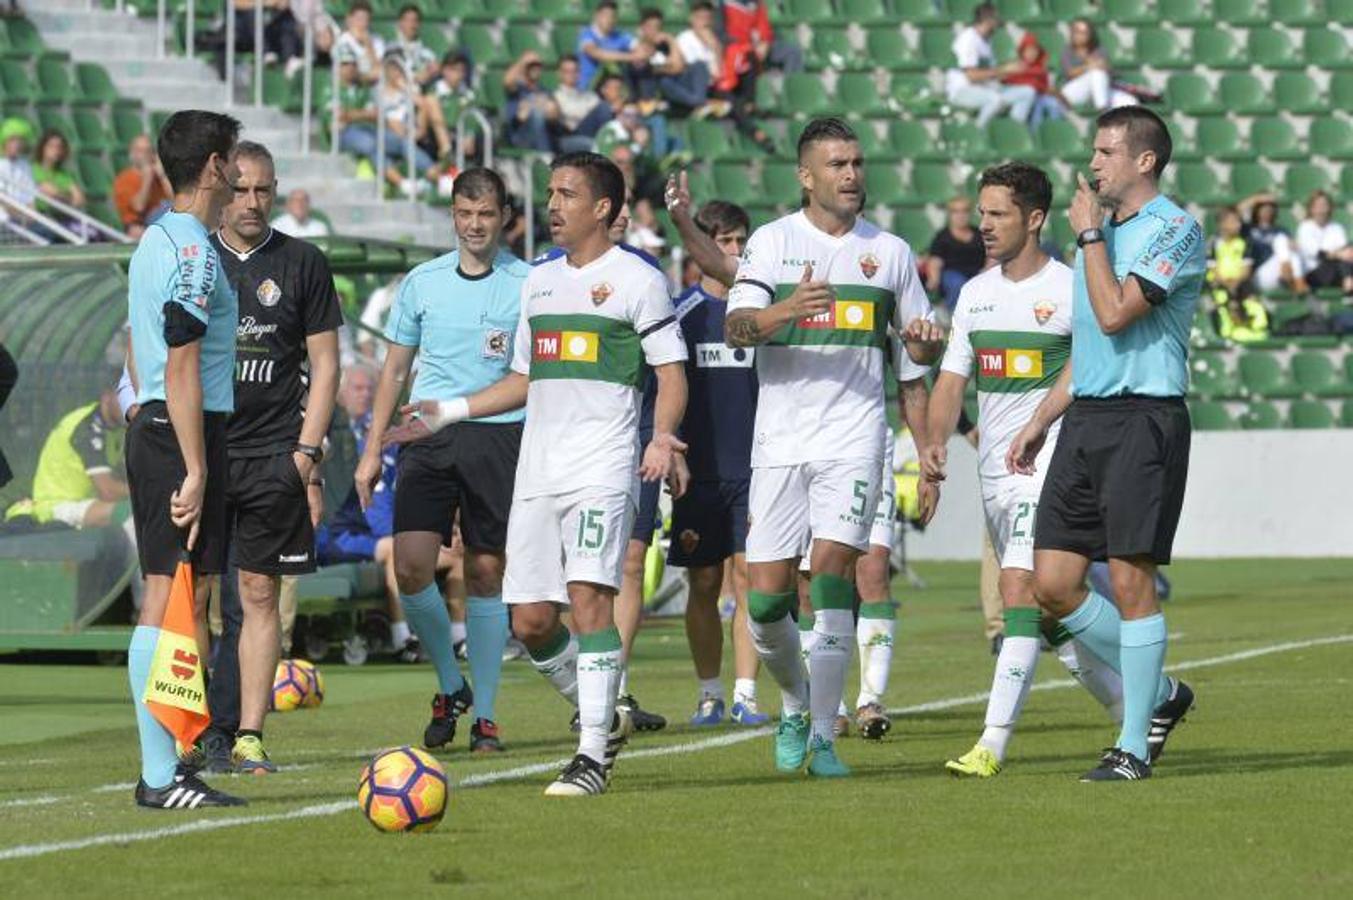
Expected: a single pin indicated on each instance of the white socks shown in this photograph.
(399, 634)
(559, 664)
(1015, 668)
(711, 687)
(599, 668)
(744, 689)
(777, 643)
(874, 636)
(828, 662)
(1103, 683)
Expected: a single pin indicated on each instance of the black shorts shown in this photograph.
(155, 470)
(1115, 486)
(269, 516)
(647, 521)
(468, 467)
(709, 523)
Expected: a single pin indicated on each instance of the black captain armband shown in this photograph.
(1154, 293)
(180, 326)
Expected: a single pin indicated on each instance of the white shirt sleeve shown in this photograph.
(958, 356)
(912, 303)
(521, 341)
(754, 285)
(968, 49)
(1308, 243)
(656, 322)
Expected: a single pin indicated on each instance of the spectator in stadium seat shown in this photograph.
(282, 37)
(976, 81)
(1276, 262)
(1087, 76)
(49, 170)
(602, 45)
(668, 74)
(1033, 71)
(454, 92)
(141, 192)
(575, 105)
(358, 45)
(16, 173)
(405, 113)
(297, 220)
(1230, 258)
(1323, 244)
(746, 23)
(1241, 317)
(532, 114)
(956, 253)
(418, 58)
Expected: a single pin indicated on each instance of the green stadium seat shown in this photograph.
(859, 95)
(931, 183)
(1297, 92)
(1244, 94)
(1161, 49)
(566, 15)
(1066, 10)
(867, 12)
(1208, 415)
(1299, 12)
(1262, 375)
(831, 49)
(15, 84)
(921, 12)
(1198, 182)
(1340, 11)
(1275, 138)
(52, 118)
(54, 82)
(965, 141)
(910, 139)
(1193, 94)
(1184, 12)
(1024, 13)
(1272, 48)
(1219, 138)
(1240, 12)
(711, 141)
(25, 42)
(1309, 414)
(93, 134)
(1331, 138)
(915, 94)
(814, 12)
(913, 226)
(1012, 140)
(876, 150)
(564, 40)
(734, 183)
(1341, 90)
(1210, 378)
(1261, 415)
(888, 48)
(937, 47)
(1317, 375)
(780, 182)
(1301, 179)
(1326, 48)
(1061, 139)
(886, 186)
(521, 38)
(1250, 178)
(95, 176)
(1346, 415)
(128, 122)
(483, 47)
(1214, 48)
(1346, 181)
(806, 95)
(95, 84)
(1131, 12)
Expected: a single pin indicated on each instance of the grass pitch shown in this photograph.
(1252, 797)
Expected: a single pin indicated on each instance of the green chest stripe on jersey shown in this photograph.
(593, 348)
(1016, 362)
(858, 318)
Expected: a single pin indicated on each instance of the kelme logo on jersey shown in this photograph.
(269, 293)
(1010, 363)
(565, 346)
(601, 292)
(869, 265)
(1044, 310)
(849, 315)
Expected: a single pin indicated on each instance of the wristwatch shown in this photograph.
(1090, 236)
(316, 454)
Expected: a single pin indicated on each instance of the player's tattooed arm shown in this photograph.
(741, 328)
(915, 401)
(748, 327)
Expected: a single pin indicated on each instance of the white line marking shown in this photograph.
(30, 801)
(28, 851)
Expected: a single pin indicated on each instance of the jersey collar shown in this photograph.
(243, 255)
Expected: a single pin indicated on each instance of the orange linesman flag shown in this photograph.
(176, 692)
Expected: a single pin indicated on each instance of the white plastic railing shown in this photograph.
(19, 213)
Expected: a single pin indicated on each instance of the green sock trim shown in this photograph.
(1022, 622)
(122, 511)
(553, 648)
(604, 641)
(1058, 634)
(831, 592)
(885, 610)
(766, 608)
(806, 620)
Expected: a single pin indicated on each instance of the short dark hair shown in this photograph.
(1145, 131)
(187, 140)
(702, 5)
(650, 12)
(827, 128)
(359, 6)
(1030, 188)
(603, 177)
(477, 181)
(720, 217)
(41, 145)
(455, 56)
(605, 4)
(255, 151)
(568, 57)
(410, 8)
(983, 12)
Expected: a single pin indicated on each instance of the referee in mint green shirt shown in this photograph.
(1115, 486)
(457, 314)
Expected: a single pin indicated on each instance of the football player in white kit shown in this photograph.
(1012, 331)
(817, 290)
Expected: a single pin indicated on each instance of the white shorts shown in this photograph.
(1010, 505)
(881, 529)
(555, 539)
(790, 506)
(71, 512)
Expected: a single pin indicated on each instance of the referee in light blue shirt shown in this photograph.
(1115, 486)
(458, 314)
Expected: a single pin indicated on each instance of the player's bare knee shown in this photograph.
(705, 584)
(535, 624)
(412, 576)
(483, 574)
(258, 592)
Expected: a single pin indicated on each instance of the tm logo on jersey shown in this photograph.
(852, 315)
(565, 346)
(1010, 363)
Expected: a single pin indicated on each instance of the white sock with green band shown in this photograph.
(599, 668)
(874, 635)
(777, 643)
(558, 662)
(834, 625)
(1014, 676)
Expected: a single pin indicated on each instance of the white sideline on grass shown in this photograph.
(27, 851)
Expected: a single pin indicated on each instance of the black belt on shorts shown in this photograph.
(1120, 401)
(160, 408)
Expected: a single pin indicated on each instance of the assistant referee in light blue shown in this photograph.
(457, 314)
(1115, 487)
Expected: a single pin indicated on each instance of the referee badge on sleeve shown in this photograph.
(496, 342)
